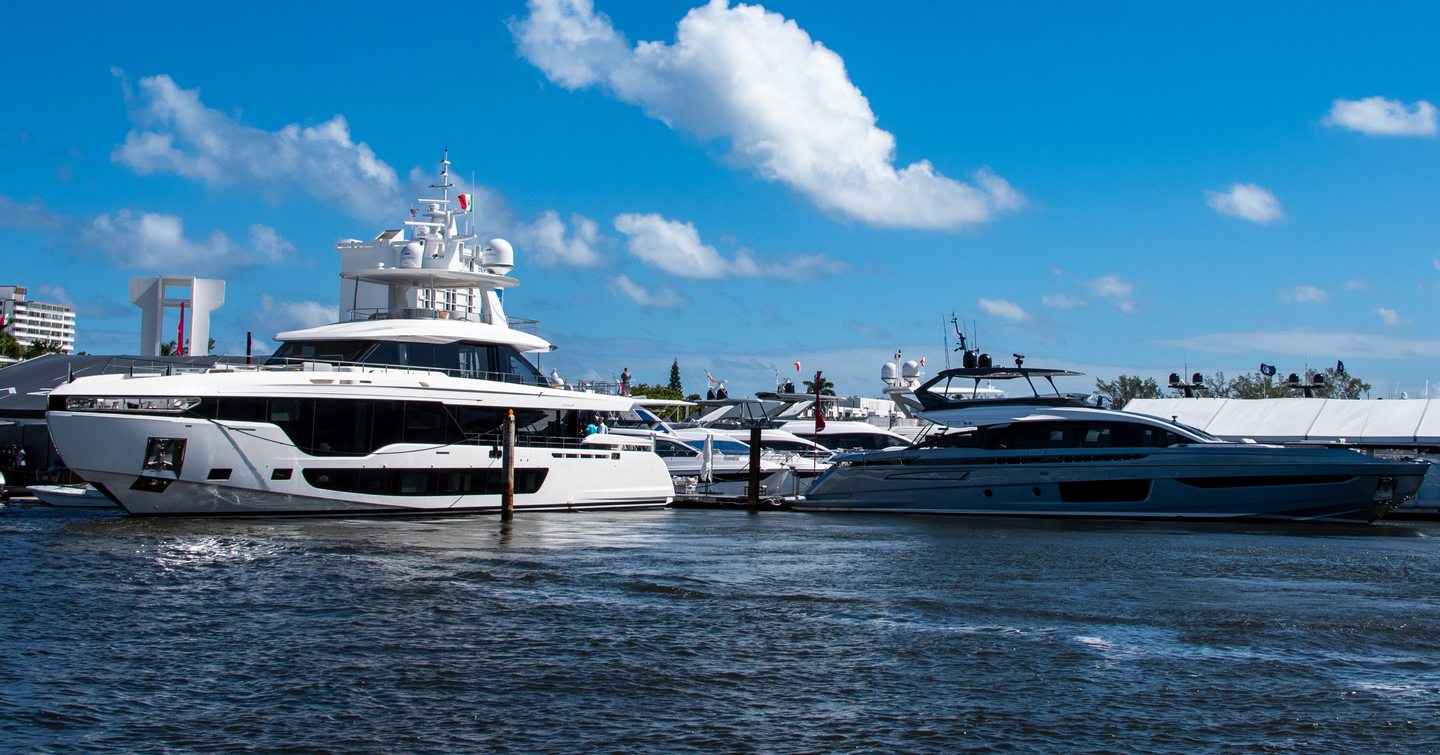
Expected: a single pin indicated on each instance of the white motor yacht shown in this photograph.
(397, 409)
(1057, 455)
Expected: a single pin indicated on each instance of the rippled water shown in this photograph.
(707, 631)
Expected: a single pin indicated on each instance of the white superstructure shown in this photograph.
(399, 408)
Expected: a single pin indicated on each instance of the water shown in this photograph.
(704, 631)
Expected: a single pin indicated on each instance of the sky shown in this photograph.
(1115, 188)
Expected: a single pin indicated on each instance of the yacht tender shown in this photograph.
(1058, 455)
(398, 409)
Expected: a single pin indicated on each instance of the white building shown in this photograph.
(30, 322)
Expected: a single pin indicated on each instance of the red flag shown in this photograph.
(180, 333)
(922, 361)
(797, 366)
(819, 407)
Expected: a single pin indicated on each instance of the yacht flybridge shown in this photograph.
(399, 408)
(1058, 455)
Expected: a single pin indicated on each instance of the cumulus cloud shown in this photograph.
(1003, 309)
(1388, 316)
(1378, 116)
(551, 243)
(662, 297)
(783, 101)
(30, 216)
(279, 316)
(1248, 202)
(1357, 284)
(1117, 291)
(1305, 295)
(1306, 342)
(176, 133)
(1062, 301)
(675, 247)
(157, 242)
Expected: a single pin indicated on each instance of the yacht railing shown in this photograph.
(421, 313)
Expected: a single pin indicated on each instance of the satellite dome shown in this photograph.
(911, 369)
(888, 372)
(498, 256)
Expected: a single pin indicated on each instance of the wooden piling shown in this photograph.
(753, 490)
(507, 499)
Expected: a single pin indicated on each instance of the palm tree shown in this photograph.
(827, 388)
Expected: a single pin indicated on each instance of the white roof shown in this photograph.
(1293, 420)
(419, 331)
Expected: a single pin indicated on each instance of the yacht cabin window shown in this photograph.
(471, 360)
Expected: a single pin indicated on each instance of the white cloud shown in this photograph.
(51, 295)
(1357, 284)
(1246, 201)
(550, 243)
(1305, 295)
(1378, 116)
(662, 297)
(279, 316)
(30, 216)
(784, 102)
(157, 242)
(176, 133)
(1062, 301)
(675, 247)
(1003, 309)
(1118, 291)
(1307, 342)
(1388, 316)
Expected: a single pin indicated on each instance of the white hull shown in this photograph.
(71, 496)
(254, 459)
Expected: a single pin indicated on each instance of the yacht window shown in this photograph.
(669, 449)
(385, 352)
(730, 447)
(427, 422)
(474, 360)
(515, 368)
(387, 423)
(320, 351)
(857, 441)
(480, 423)
(341, 427)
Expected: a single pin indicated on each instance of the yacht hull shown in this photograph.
(1201, 483)
(265, 474)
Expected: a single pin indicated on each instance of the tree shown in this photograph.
(10, 347)
(827, 388)
(1340, 385)
(1121, 390)
(660, 391)
(1255, 385)
(675, 377)
(41, 348)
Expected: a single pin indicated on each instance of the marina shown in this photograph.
(313, 441)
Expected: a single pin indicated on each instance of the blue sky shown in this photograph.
(1116, 188)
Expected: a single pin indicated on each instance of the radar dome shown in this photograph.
(412, 254)
(888, 372)
(498, 256)
(911, 369)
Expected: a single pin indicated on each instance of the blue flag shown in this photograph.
(1339, 367)
(1268, 370)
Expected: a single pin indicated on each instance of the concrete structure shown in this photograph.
(199, 297)
(30, 322)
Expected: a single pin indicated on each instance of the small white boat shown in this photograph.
(71, 496)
